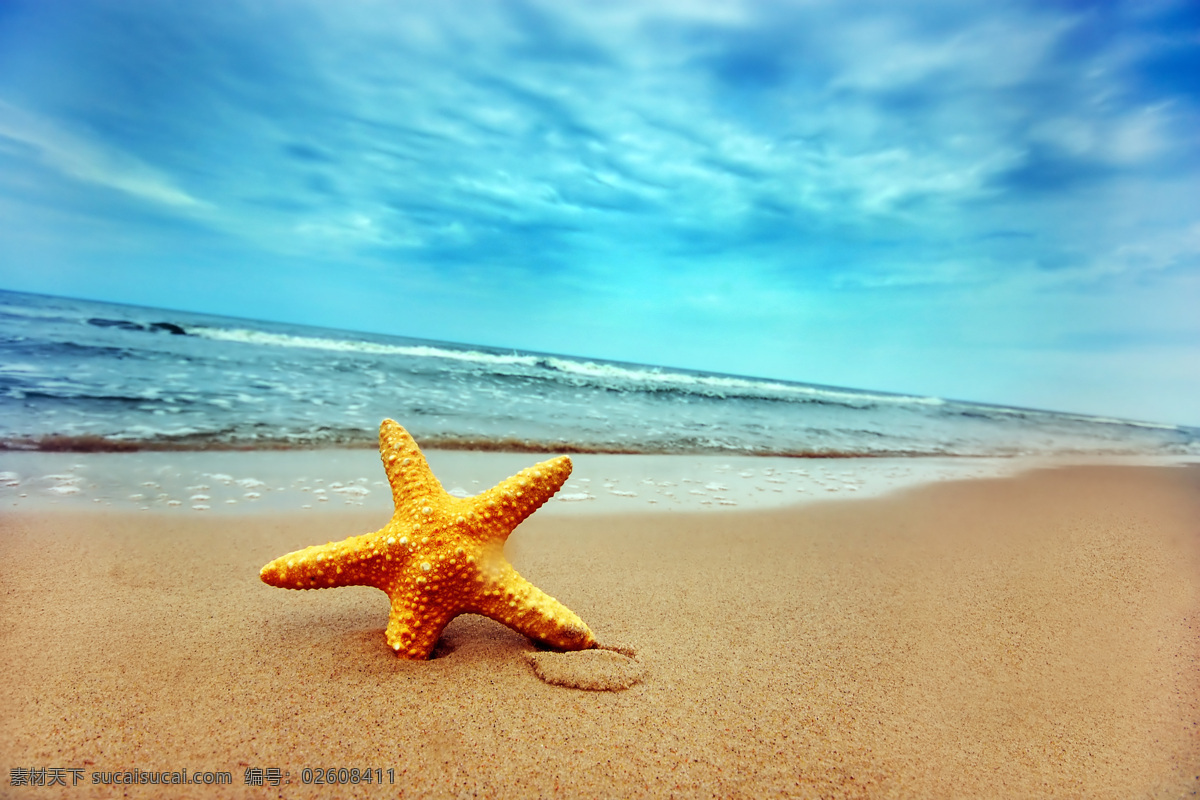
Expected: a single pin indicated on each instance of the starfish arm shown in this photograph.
(520, 605)
(350, 562)
(512, 500)
(414, 485)
(412, 633)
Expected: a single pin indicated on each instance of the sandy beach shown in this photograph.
(1036, 636)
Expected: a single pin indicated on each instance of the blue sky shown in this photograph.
(992, 201)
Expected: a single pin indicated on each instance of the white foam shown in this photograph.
(22, 369)
(721, 385)
(356, 346)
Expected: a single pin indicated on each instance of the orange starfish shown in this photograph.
(441, 556)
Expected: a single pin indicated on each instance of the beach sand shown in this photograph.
(1036, 636)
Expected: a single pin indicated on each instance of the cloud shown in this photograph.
(78, 158)
(677, 160)
(547, 131)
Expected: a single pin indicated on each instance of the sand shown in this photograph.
(1036, 636)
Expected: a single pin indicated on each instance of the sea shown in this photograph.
(78, 375)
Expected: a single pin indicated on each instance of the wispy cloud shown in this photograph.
(79, 158)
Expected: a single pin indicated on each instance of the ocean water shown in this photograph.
(81, 375)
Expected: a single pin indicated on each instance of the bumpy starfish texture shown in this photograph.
(441, 556)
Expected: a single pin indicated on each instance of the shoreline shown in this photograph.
(994, 637)
(223, 482)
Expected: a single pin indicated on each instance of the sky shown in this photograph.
(987, 201)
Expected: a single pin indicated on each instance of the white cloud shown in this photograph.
(84, 160)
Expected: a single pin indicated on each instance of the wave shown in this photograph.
(353, 439)
(1158, 426)
(603, 374)
(32, 312)
(22, 369)
(721, 386)
(992, 412)
(266, 338)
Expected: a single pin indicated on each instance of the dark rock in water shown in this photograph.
(124, 325)
(169, 327)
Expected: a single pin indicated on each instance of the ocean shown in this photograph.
(79, 375)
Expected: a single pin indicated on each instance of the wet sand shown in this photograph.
(1036, 636)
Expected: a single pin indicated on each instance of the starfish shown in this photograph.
(441, 556)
